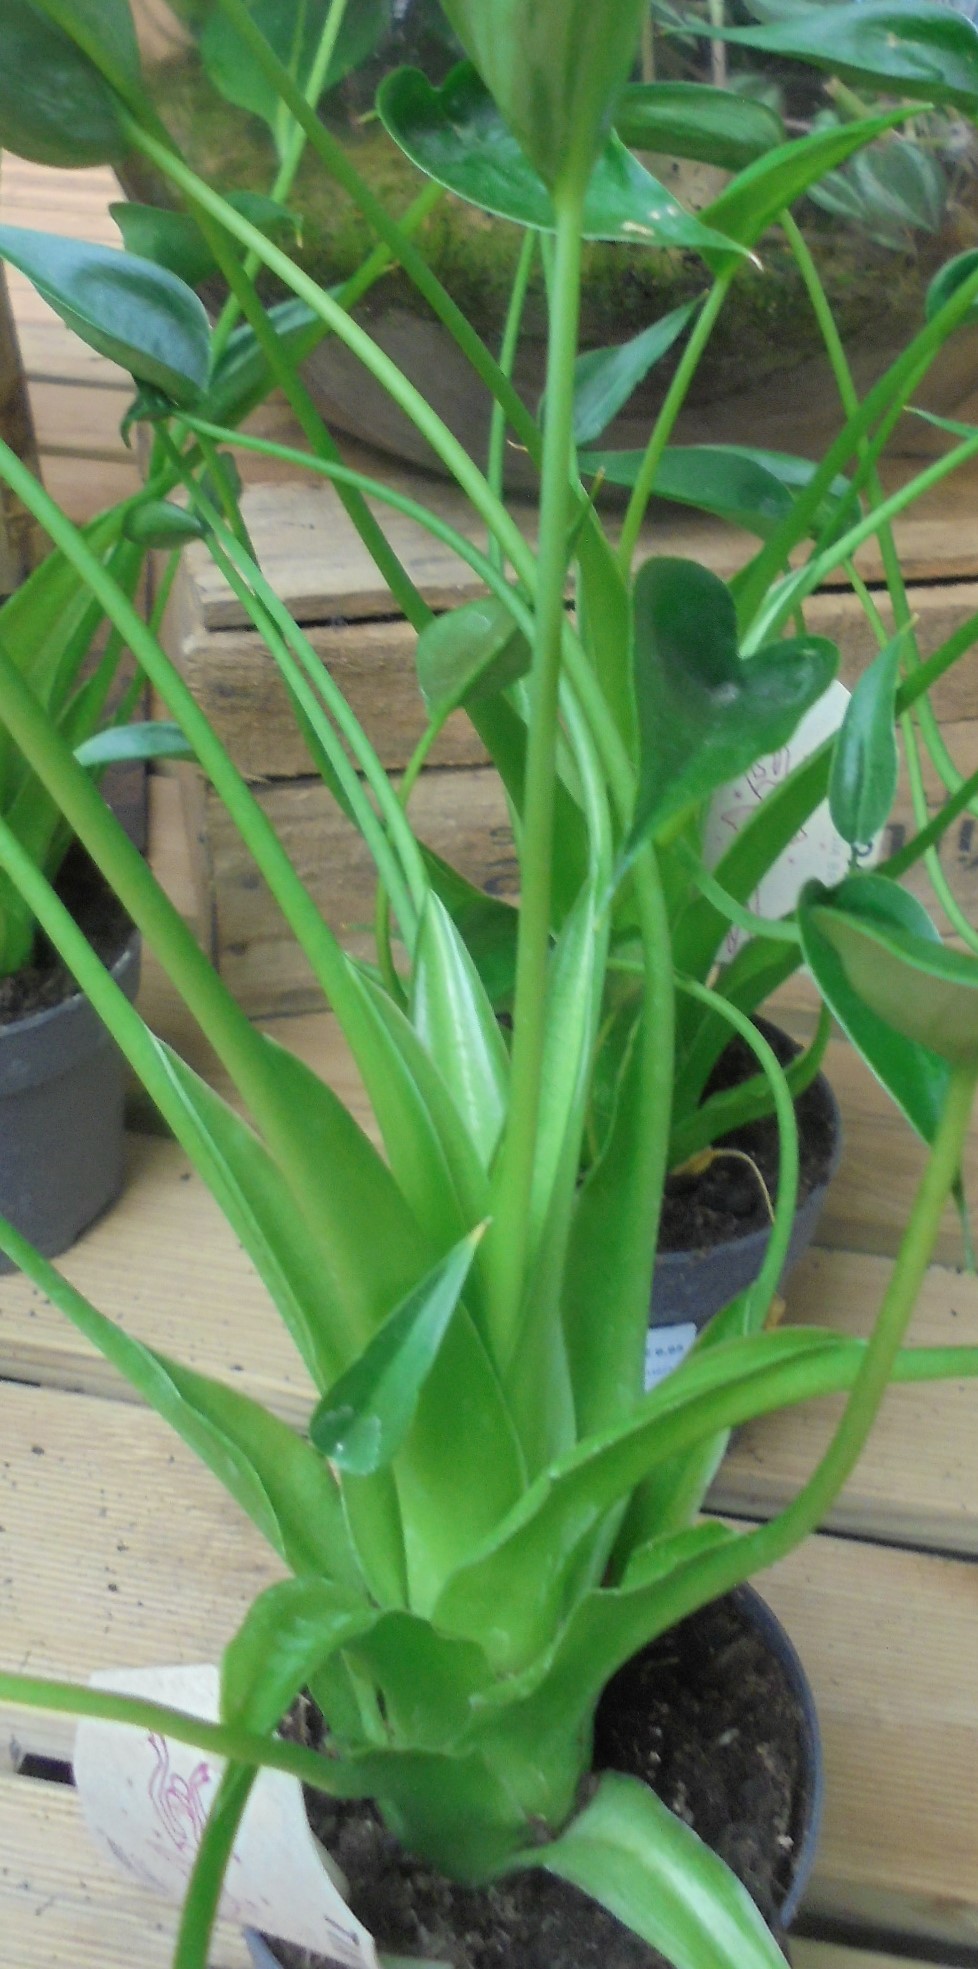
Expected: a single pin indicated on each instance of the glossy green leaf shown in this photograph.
(689, 119)
(914, 1076)
(903, 975)
(135, 313)
(105, 31)
(286, 1636)
(280, 1482)
(294, 35)
(158, 523)
(363, 1419)
(945, 283)
(456, 1023)
(153, 738)
(469, 655)
(705, 712)
(752, 202)
(455, 135)
(889, 190)
(174, 240)
(743, 484)
(605, 378)
(555, 68)
(866, 762)
(242, 375)
(426, 1679)
(632, 1855)
(917, 49)
(604, 622)
(55, 107)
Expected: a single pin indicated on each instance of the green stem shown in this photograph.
(206, 1885)
(507, 1240)
(665, 422)
(496, 462)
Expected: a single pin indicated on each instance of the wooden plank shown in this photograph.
(917, 1483)
(119, 1549)
(837, 1955)
(71, 418)
(888, 1639)
(63, 1906)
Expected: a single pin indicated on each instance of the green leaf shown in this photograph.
(135, 313)
(151, 739)
(455, 135)
(105, 31)
(55, 107)
(604, 621)
(914, 1076)
(632, 1855)
(891, 189)
(746, 485)
(903, 975)
(456, 1023)
(866, 762)
(174, 240)
(753, 201)
(159, 523)
(288, 1634)
(605, 378)
(242, 376)
(284, 1487)
(915, 49)
(945, 283)
(555, 68)
(488, 928)
(362, 1421)
(294, 35)
(706, 713)
(469, 655)
(689, 119)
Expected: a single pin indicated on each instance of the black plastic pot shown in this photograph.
(766, 1626)
(688, 1287)
(61, 1118)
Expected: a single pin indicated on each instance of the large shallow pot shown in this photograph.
(734, 1675)
(61, 1118)
(766, 332)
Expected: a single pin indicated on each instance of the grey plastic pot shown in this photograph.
(688, 1287)
(811, 1785)
(61, 1118)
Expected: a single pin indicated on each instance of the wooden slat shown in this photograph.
(837, 1955)
(118, 1548)
(62, 1906)
(917, 1483)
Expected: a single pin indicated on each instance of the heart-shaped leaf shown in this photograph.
(294, 35)
(900, 971)
(688, 119)
(174, 239)
(902, 47)
(866, 763)
(605, 378)
(137, 314)
(705, 712)
(363, 1420)
(456, 136)
(554, 67)
(469, 656)
(55, 107)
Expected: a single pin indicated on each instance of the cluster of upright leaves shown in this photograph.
(486, 1517)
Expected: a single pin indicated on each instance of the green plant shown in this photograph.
(487, 1514)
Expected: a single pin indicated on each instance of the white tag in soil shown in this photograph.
(817, 851)
(146, 1801)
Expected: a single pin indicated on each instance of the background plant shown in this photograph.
(486, 1514)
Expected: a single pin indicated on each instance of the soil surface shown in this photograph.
(47, 981)
(705, 1715)
(727, 1200)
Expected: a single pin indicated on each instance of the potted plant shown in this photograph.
(487, 1516)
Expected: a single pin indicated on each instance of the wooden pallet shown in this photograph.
(100, 1508)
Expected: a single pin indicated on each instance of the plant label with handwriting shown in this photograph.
(818, 849)
(146, 1800)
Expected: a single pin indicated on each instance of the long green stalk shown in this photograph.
(666, 420)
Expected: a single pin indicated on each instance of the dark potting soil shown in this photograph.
(727, 1200)
(705, 1715)
(47, 981)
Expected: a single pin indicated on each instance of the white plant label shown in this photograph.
(817, 851)
(665, 1347)
(146, 1800)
